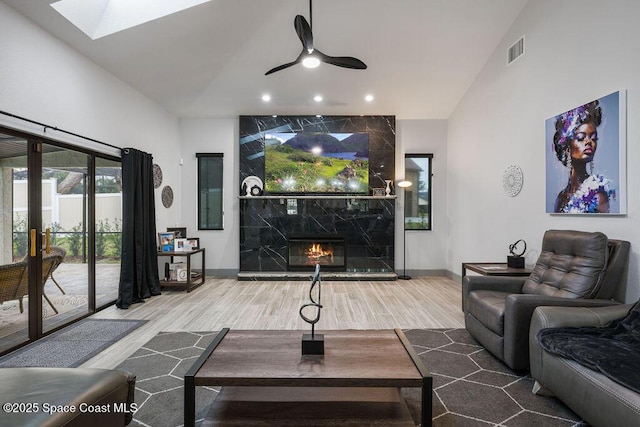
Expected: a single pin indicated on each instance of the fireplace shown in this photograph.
(365, 224)
(304, 252)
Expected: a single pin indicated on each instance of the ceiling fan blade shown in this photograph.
(304, 32)
(342, 61)
(287, 65)
(281, 67)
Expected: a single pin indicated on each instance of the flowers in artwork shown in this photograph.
(571, 120)
(585, 198)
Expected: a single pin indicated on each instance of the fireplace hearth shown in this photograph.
(304, 252)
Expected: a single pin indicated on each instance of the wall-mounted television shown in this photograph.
(316, 162)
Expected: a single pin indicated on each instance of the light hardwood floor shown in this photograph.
(422, 302)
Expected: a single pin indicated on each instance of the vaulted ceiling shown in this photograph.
(209, 60)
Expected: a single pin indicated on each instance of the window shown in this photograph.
(210, 209)
(417, 197)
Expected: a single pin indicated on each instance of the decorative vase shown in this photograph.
(387, 190)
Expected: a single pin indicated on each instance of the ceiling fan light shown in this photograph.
(310, 62)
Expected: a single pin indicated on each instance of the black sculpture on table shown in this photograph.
(516, 260)
(313, 344)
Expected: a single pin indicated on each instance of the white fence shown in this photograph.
(65, 209)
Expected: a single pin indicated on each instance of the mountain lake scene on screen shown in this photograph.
(312, 162)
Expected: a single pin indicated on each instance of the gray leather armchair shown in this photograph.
(100, 397)
(575, 268)
(599, 400)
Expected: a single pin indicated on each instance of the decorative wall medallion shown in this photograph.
(157, 176)
(167, 196)
(512, 180)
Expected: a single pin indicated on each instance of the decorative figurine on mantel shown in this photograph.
(313, 344)
(516, 260)
(388, 188)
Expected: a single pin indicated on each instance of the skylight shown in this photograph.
(100, 18)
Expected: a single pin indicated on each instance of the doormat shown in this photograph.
(70, 347)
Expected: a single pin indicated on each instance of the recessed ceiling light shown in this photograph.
(266, 97)
(368, 98)
(318, 98)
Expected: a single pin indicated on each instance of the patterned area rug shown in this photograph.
(471, 387)
(71, 346)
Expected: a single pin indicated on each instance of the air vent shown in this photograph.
(515, 51)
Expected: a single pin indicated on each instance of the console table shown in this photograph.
(193, 280)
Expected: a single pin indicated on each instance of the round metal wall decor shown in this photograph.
(167, 196)
(157, 176)
(512, 180)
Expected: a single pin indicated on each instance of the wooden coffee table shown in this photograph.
(267, 381)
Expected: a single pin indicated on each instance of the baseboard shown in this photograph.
(418, 273)
(222, 272)
(233, 273)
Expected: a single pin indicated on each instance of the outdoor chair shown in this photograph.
(574, 268)
(57, 252)
(60, 253)
(49, 264)
(14, 280)
(13, 285)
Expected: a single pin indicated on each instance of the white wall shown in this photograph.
(213, 136)
(44, 80)
(576, 51)
(426, 250)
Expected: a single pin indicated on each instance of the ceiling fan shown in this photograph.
(311, 57)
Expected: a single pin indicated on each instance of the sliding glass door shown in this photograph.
(108, 229)
(14, 235)
(65, 213)
(61, 217)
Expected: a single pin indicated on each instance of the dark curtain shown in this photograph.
(139, 265)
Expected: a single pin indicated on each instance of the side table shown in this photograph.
(194, 279)
(493, 269)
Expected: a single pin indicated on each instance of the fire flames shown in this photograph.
(317, 252)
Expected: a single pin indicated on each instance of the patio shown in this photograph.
(72, 277)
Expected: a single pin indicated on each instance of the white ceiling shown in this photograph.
(209, 60)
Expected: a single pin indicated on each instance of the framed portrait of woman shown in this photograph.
(586, 158)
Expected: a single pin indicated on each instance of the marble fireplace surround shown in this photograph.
(367, 223)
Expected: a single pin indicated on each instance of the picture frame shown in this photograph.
(173, 269)
(193, 243)
(166, 241)
(379, 192)
(181, 274)
(587, 141)
(180, 232)
(180, 245)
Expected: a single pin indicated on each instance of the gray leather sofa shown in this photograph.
(69, 397)
(596, 398)
(575, 268)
